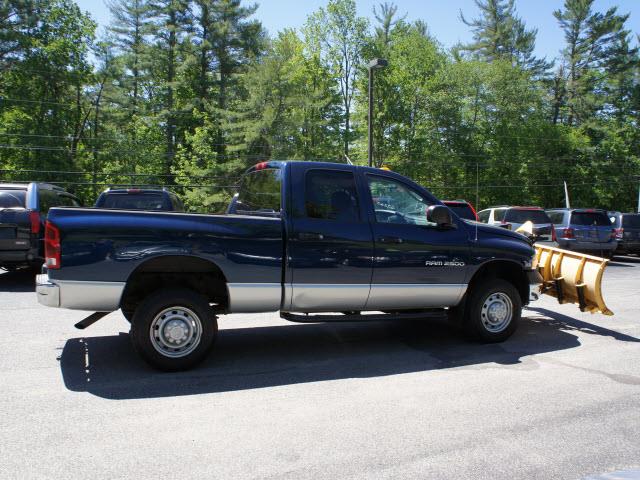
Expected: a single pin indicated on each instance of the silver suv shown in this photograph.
(584, 229)
(512, 218)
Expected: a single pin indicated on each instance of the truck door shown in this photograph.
(416, 264)
(330, 245)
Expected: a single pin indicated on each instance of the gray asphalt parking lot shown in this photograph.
(560, 399)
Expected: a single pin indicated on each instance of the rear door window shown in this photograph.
(521, 215)
(331, 195)
(12, 198)
(590, 219)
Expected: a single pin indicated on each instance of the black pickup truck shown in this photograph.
(315, 241)
(23, 208)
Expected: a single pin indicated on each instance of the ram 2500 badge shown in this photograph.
(302, 238)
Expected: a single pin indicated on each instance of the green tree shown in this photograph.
(341, 35)
(499, 34)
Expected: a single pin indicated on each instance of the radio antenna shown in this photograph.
(477, 195)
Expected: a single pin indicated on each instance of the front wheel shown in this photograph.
(173, 329)
(493, 311)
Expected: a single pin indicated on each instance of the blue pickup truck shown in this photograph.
(315, 241)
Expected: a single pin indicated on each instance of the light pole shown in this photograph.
(373, 65)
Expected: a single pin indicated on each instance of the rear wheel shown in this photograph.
(493, 311)
(173, 329)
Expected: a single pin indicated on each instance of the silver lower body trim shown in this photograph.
(254, 297)
(311, 298)
(307, 297)
(78, 295)
(407, 296)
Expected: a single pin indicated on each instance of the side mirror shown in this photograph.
(440, 215)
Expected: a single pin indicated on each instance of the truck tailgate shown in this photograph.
(15, 229)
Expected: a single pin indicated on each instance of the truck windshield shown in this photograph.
(12, 198)
(260, 193)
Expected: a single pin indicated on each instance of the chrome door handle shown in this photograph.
(390, 240)
(310, 236)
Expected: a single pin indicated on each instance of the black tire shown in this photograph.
(181, 312)
(478, 322)
(128, 315)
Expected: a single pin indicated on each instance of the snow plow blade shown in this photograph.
(572, 277)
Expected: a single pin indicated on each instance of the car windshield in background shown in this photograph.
(517, 215)
(462, 210)
(631, 221)
(12, 198)
(590, 218)
(142, 201)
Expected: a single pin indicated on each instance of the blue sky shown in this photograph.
(442, 17)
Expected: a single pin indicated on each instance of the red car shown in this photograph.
(462, 208)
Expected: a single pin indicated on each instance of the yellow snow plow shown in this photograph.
(571, 277)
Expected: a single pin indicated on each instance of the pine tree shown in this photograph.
(130, 28)
(499, 34)
(589, 38)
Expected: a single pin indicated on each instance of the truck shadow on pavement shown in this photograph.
(18, 281)
(259, 357)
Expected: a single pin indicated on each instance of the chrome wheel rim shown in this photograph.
(497, 312)
(175, 332)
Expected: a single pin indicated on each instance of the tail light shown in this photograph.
(474, 211)
(617, 233)
(568, 233)
(34, 218)
(52, 246)
(553, 234)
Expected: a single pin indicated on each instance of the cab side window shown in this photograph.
(395, 202)
(331, 195)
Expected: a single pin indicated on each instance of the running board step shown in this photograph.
(374, 317)
(90, 320)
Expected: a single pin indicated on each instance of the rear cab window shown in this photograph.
(260, 193)
(135, 201)
(483, 216)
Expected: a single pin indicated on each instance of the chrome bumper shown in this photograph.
(86, 295)
(535, 285)
(48, 293)
(535, 290)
